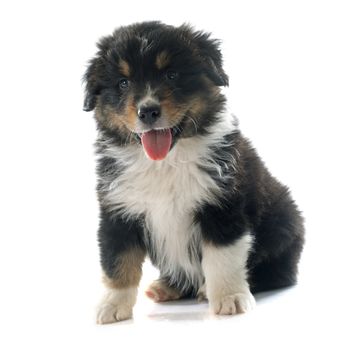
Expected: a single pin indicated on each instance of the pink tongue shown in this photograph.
(156, 143)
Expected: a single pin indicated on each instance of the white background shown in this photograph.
(289, 68)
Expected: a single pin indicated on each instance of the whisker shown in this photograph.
(128, 138)
(193, 121)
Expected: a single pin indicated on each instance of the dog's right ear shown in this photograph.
(89, 102)
(92, 88)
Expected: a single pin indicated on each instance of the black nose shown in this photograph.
(149, 114)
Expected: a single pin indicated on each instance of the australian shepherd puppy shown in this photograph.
(178, 182)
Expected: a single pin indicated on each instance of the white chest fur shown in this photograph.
(166, 193)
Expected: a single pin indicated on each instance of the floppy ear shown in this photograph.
(92, 88)
(210, 53)
(89, 102)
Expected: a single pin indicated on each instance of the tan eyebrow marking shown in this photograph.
(124, 68)
(162, 60)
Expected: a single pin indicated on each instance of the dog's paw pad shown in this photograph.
(109, 313)
(158, 291)
(233, 304)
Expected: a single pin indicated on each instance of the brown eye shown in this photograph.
(172, 75)
(123, 84)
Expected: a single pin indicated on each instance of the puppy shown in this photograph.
(178, 182)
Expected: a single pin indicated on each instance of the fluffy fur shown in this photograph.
(209, 215)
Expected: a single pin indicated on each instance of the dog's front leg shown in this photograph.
(122, 254)
(225, 251)
(226, 277)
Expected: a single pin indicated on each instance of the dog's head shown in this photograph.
(155, 83)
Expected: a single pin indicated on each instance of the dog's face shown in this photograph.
(155, 83)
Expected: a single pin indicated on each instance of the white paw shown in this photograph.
(233, 304)
(108, 313)
(116, 306)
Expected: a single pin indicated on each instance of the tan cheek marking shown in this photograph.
(111, 119)
(194, 114)
(171, 111)
(162, 60)
(130, 117)
(174, 113)
(125, 122)
(197, 105)
(128, 270)
(124, 68)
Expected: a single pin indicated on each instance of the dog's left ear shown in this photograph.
(210, 53)
(92, 88)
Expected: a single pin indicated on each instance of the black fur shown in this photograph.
(102, 75)
(263, 206)
(252, 199)
(117, 236)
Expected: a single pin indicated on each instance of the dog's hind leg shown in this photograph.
(280, 238)
(160, 291)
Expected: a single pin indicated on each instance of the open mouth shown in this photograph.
(157, 143)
